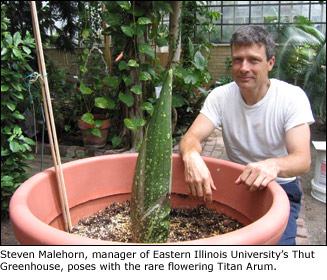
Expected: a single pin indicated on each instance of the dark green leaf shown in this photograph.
(4, 88)
(17, 52)
(17, 86)
(88, 118)
(123, 65)
(104, 103)
(27, 50)
(18, 95)
(139, 30)
(96, 132)
(82, 68)
(29, 141)
(190, 78)
(147, 49)
(130, 124)
(128, 99)
(116, 141)
(138, 11)
(112, 81)
(98, 123)
(137, 89)
(129, 31)
(133, 63)
(14, 146)
(199, 61)
(85, 89)
(17, 39)
(127, 80)
(177, 101)
(134, 124)
(161, 42)
(145, 76)
(147, 106)
(126, 5)
(143, 20)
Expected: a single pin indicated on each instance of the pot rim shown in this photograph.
(46, 234)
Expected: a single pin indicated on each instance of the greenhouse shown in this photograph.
(174, 122)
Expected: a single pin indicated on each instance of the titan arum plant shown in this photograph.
(150, 204)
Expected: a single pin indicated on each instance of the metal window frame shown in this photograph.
(280, 4)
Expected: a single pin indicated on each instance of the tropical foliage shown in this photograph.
(301, 60)
(15, 146)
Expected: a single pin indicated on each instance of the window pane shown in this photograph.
(216, 37)
(266, 13)
(288, 12)
(242, 15)
(228, 14)
(227, 33)
(269, 11)
(262, 14)
(317, 13)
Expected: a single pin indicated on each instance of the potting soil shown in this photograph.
(113, 224)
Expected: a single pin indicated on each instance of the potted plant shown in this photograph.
(95, 95)
(264, 214)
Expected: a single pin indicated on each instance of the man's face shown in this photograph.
(250, 66)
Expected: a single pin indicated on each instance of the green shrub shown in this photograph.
(15, 147)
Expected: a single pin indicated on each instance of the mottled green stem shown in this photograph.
(150, 205)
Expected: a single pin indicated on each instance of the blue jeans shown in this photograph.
(294, 194)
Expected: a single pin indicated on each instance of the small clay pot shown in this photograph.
(90, 140)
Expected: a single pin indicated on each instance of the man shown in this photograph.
(265, 126)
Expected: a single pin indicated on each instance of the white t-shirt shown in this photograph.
(257, 132)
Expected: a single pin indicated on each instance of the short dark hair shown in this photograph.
(252, 34)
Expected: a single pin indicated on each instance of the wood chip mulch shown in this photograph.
(113, 224)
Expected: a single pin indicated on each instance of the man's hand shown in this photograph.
(197, 174)
(257, 175)
(198, 177)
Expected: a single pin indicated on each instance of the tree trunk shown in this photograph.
(107, 53)
(174, 34)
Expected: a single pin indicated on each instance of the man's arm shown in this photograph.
(257, 175)
(197, 175)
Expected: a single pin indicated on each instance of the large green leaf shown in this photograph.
(128, 99)
(147, 49)
(150, 205)
(199, 61)
(129, 31)
(143, 20)
(88, 118)
(137, 89)
(134, 124)
(104, 103)
(85, 89)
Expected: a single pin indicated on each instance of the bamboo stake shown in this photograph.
(50, 121)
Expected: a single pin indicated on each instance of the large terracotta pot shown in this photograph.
(94, 183)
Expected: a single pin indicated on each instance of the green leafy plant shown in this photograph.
(96, 87)
(301, 60)
(192, 74)
(150, 205)
(15, 147)
(135, 27)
